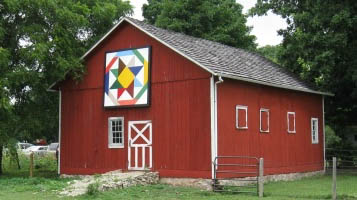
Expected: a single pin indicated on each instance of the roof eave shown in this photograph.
(51, 89)
(171, 47)
(103, 38)
(151, 35)
(146, 32)
(274, 85)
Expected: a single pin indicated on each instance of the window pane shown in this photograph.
(242, 120)
(291, 122)
(264, 121)
(116, 131)
(314, 131)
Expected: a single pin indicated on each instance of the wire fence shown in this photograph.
(341, 165)
(346, 161)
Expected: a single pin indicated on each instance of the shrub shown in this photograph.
(93, 189)
(331, 138)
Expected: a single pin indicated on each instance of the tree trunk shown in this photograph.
(0, 159)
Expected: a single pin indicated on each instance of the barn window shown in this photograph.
(241, 117)
(264, 120)
(314, 131)
(291, 122)
(116, 132)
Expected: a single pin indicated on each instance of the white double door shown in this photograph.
(140, 145)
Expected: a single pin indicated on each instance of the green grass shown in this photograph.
(15, 184)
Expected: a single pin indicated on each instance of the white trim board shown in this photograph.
(274, 85)
(143, 147)
(213, 143)
(59, 130)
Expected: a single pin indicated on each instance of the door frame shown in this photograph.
(135, 147)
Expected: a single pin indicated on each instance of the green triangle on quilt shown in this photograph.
(116, 85)
(115, 72)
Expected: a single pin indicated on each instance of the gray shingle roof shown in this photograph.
(221, 59)
(228, 61)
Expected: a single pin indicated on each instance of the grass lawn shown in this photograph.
(15, 184)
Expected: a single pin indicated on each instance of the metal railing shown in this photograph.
(237, 174)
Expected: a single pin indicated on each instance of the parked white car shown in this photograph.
(53, 147)
(23, 146)
(37, 150)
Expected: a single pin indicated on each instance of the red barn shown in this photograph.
(154, 99)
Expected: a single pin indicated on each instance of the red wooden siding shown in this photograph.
(180, 115)
(283, 152)
(179, 110)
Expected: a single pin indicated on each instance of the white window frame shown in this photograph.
(240, 107)
(288, 120)
(110, 132)
(260, 124)
(315, 131)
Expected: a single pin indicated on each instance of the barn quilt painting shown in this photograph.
(127, 77)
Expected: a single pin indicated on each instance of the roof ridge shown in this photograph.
(219, 59)
(189, 36)
(253, 56)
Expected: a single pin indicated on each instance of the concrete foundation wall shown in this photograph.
(206, 184)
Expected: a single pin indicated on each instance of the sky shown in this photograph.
(264, 27)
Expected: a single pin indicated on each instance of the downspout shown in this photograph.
(59, 130)
(323, 130)
(214, 129)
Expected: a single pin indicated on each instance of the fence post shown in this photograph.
(31, 164)
(334, 194)
(261, 178)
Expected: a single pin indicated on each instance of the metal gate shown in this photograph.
(236, 174)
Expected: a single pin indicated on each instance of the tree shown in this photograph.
(320, 44)
(271, 52)
(217, 20)
(41, 40)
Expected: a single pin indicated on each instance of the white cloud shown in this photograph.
(264, 27)
(137, 4)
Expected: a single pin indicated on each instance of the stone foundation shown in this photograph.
(110, 180)
(206, 184)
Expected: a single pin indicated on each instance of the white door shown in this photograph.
(140, 145)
